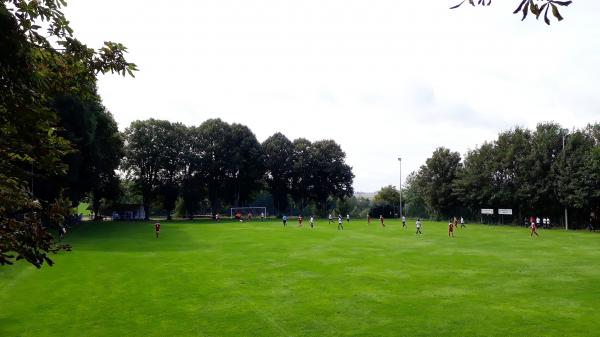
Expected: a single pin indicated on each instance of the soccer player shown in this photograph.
(403, 221)
(368, 219)
(533, 229)
(157, 228)
(300, 220)
(218, 217)
(462, 222)
(590, 226)
(450, 229)
(330, 218)
(455, 222)
(262, 216)
(418, 226)
(538, 222)
(250, 216)
(284, 218)
(348, 217)
(312, 221)
(381, 220)
(238, 216)
(340, 222)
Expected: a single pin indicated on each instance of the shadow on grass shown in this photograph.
(130, 237)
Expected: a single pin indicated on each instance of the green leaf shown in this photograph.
(520, 6)
(525, 11)
(556, 13)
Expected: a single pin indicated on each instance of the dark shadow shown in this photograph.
(117, 236)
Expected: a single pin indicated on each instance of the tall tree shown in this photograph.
(172, 164)
(511, 177)
(473, 185)
(215, 144)
(144, 157)
(302, 172)
(577, 175)
(438, 174)
(330, 175)
(247, 167)
(278, 151)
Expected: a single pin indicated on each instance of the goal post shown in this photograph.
(248, 212)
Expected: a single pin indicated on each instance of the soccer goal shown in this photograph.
(248, 212)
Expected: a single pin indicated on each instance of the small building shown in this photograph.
(128, 212)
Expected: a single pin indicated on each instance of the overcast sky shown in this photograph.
(382, 78)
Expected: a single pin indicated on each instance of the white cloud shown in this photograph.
(383, 78)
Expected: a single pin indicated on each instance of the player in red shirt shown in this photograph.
(157, 228)
(533, 229)
(381, 220)
(238, 216)
(299, 220)
(450, 229)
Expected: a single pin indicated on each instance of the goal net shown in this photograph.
(248, 212)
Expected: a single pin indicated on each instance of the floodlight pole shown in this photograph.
(400, 185)
(563, 148)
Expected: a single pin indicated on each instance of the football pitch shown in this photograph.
(259, 279)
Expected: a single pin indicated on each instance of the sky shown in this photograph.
(384, 79)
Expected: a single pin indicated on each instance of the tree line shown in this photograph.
(224, 164)
(533, 172)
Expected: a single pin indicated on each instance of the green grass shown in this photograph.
(259, 279)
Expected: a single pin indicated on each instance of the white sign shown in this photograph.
(505, 211)
(487, 211)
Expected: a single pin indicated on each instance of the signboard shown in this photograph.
(505, 211)
(487, 211)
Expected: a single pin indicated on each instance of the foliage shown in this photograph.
(527, 171)
(32, 75)
(277, 151)
(388, 194)
(526, 6)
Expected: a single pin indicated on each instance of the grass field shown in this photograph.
(259, 279)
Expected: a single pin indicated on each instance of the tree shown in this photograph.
(526, 6)
(302, 172)
(278, 152)
(438, 175)
(388, 194)
(330, 175)
(106, 154)
(172, 164)
(577, 175)
(145, 156)
(192, 187)
(413, 196)
(510, 179)
(215, 159)
(247, 168)
(473, 185)
(32, 74)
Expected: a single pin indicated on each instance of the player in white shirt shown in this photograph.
(348, 217)
(340, 222)
(403, 221)
(262, 216)
(418, 227)
(462, 222)
(312, 221)
(330, 218)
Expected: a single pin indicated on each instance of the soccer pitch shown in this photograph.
(260, 279)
